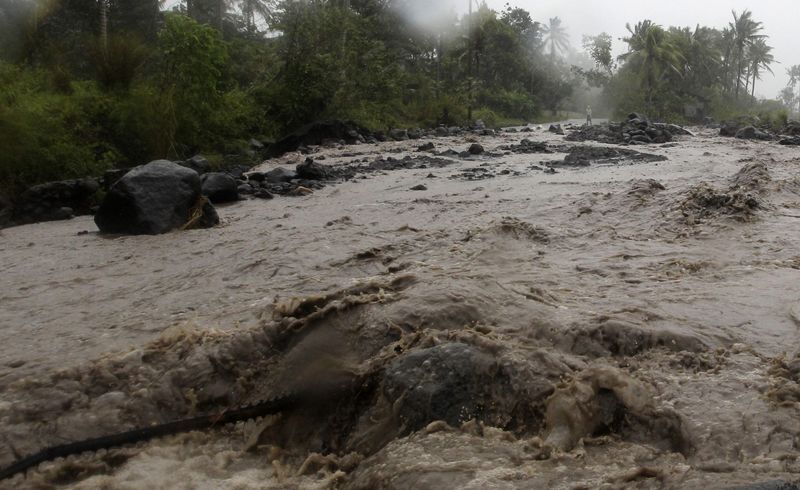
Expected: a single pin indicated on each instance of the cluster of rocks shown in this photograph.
(527, 146)
(583, 156)
(635, 130)
(52, 201)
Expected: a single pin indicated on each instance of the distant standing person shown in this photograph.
(588, 115)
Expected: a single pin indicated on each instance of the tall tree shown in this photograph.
(556, 37)
(653, 53)
(761, 57)
(745, 31)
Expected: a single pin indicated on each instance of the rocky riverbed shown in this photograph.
(536, 314)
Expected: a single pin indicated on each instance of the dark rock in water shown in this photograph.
(237, 171)
(637, 130)
(256, 177)
(220, 188)
(315, 133)
(429, 146)
(415, 134)
(280, 174)
(153, 199)
(198, 163)
(442, 131)
(475, 149)
(54, 201)
(398, 135)
(451, 382)
(794, 141)
(245, 189)
(751, 133)
(526, 130)
(556, 129)
(419, 187)
(312, 170)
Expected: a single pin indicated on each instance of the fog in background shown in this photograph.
(780, 20)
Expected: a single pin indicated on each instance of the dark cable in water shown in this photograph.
(257, 410)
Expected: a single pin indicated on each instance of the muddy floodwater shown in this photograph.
(630, 323)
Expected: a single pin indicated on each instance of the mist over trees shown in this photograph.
(90, 84)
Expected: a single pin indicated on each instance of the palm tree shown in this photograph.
(745, 32)
(760, 55)
(556, 36)
(252, 9)
(652, 51)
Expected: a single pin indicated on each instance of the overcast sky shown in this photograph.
(781, 21)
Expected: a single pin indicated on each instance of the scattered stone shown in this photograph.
(280, 174)
(793, 141)
(420, 187)
(582, 156)
(220, 188)
(527, 146)
(556, 129)
(429, 146)
(636, 130)
(311, 170)
(475, 149)
(153, 199)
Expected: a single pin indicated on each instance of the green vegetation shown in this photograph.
(86, 85)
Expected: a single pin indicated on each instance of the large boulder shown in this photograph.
(311, 170)
(220, 188)
(398, 134)
(153, 199)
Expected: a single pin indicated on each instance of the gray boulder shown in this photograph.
(751, 133)
(475, 149)
(220, 188)
(556, 129)
(153, 199)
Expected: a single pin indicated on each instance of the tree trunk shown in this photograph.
(104, 27)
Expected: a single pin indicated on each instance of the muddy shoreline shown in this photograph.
(657, 296)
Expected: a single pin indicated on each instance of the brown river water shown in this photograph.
(625, 325)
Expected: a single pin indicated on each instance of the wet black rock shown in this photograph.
(429, 146)
(556, 129)
(312, 170)
(793, 141)
(792, 128)
(245, 189)
(475, 149)
(751, 133)
(220, 188)
(451, 382)
(415, 134)
(153, 199)
(280, 174)
(420, 187)
(198, 163)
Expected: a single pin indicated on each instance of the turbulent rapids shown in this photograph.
(431, 319)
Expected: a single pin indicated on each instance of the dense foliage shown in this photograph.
(89, 84)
